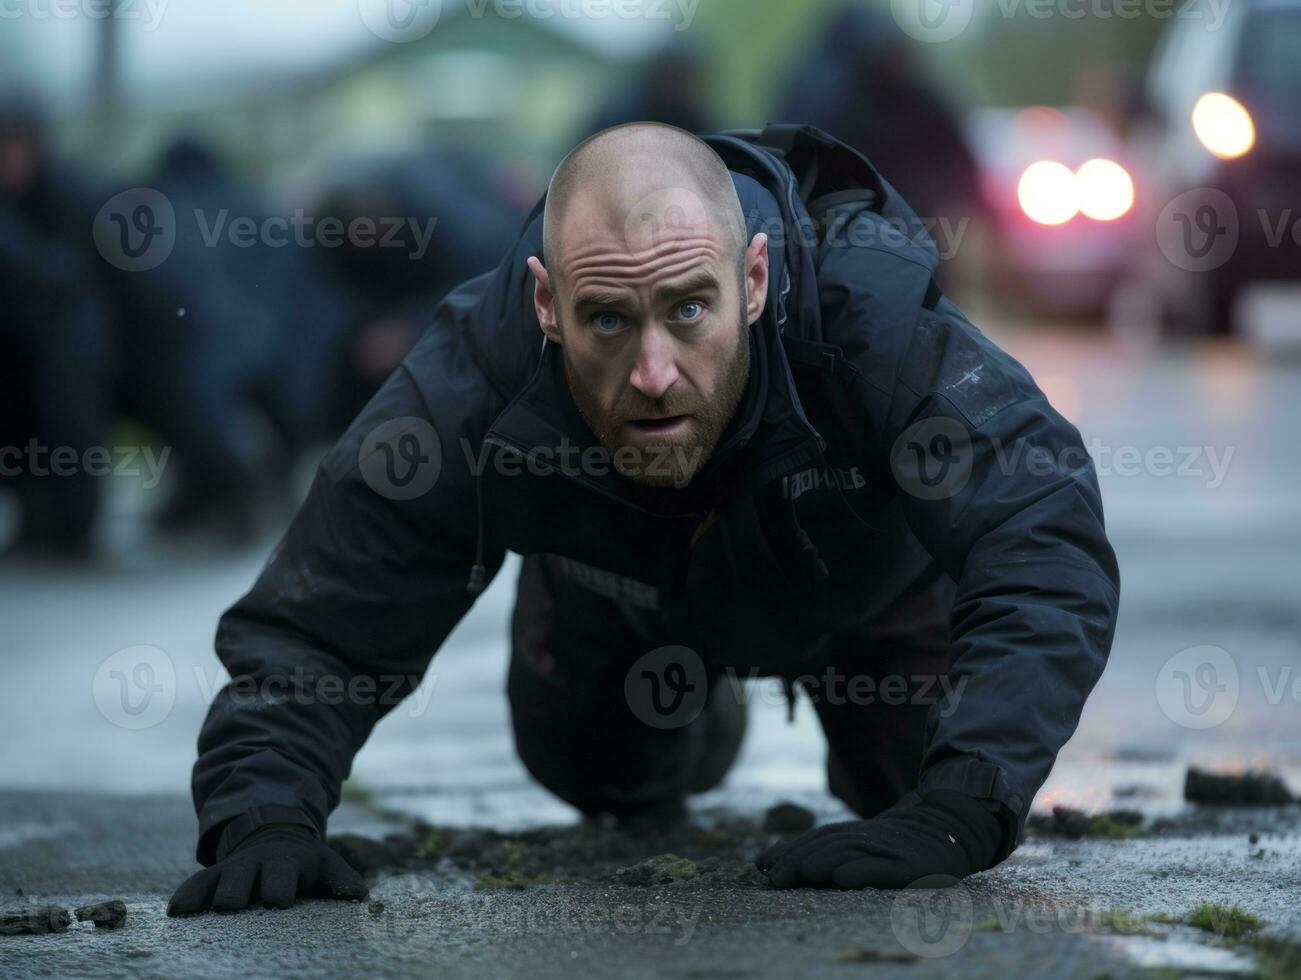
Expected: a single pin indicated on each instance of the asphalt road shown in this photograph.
(1199, 469)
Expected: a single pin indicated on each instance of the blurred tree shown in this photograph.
(1018, 59)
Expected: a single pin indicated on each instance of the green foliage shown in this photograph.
(354, 792)
(433, 845)
(1229, 922)
(1123, 923)
(1108, 827)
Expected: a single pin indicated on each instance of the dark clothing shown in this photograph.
(576, 735)
(205, 333)
(57, 347)
(805, 525)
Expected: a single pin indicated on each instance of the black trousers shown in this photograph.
(578, 734)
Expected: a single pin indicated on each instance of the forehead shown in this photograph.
(650, 233)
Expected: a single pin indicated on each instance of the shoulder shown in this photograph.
(906, 341)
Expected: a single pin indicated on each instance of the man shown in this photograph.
(740, 447)
(56, 337)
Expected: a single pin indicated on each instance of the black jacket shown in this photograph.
(882, 442)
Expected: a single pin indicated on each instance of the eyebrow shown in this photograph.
(598, 299)
(697, 281)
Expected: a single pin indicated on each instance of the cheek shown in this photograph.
(704, 363)
(603, 373)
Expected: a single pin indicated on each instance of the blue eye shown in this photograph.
(697, 307)
(607, 322)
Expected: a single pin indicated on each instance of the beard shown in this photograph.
(669, 460)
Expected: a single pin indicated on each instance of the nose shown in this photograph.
(656, 369)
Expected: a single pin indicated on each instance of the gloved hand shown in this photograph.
(275, 864)
(943, 835)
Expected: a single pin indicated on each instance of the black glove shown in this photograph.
(943, 836)
(275, 864)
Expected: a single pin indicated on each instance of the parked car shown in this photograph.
(1060, 198)
(1224, 162)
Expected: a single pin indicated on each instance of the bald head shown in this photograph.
(649, 291)
(643, 180)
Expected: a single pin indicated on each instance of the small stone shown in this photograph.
(1254, 839)
(105, 915)
(1071, 823)
(35, 921)
(1247, 789)
(788, 818)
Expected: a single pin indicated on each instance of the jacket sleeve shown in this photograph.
(367, 582)
(1000, 490)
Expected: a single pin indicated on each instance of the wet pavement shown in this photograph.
(1199, 468)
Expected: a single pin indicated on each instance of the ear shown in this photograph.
(756, 278)
(544, 300)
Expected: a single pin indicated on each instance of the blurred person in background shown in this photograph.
(861, 82)
(672, 89)
(56, 364)
(204, 335)
(441, 218)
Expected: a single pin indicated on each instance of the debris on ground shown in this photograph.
(711, 851)
(105, 915)
(35, 921)
(1076, 824)
(788, 818)
(433, 845)
(663, 869)
(1244, 789)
